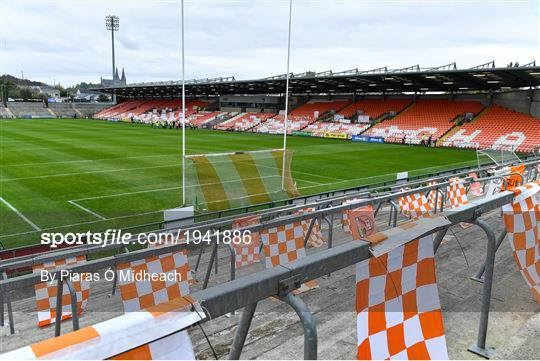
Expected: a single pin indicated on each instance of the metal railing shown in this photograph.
(221, 222)
(324, 209)
(279, 281)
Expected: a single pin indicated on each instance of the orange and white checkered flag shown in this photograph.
(315, 238)
(435, 198)
(476, 188)
(456, 193)
(46, 292)
(344, 218)
(284, 244)
(168, 240)
(153, 334)
(522, 221)
(247, 251)
(361, 222)
(403, 205)
(397, 303)
(418, 205)
(153, 280)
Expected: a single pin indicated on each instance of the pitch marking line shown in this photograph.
(87, 210)
(299, 172)
(90, 172)
(173, 188)
(22, 216)
(89, 160)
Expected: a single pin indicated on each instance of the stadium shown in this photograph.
(366, 213)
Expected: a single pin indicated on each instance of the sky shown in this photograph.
(65, 41)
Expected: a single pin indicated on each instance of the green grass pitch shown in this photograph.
(79, 175)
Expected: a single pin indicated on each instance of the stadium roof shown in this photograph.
(445, 78)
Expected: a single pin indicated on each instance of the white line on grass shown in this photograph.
(89, 160)
(179, 187)
(308, 181)
(87, 210)
(297, 171)
(125, 194)
(113, 171)
(22, 216)
(90, 172)
(390, 174)
(81, 223)
(170, 188)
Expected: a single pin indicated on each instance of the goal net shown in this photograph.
(231, 180)
(497, 156)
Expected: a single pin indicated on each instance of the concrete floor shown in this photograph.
(514, 324)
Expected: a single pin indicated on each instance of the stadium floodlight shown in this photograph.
(112, 23)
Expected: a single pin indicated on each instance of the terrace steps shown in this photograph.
(78, 112)
(456, 128)
(384, 117)
(9, 111)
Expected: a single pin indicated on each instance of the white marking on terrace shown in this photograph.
(22, 216)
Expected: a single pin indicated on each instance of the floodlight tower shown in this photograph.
(112, 23)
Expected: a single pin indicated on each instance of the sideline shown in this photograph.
(22, 216)
(87, 210)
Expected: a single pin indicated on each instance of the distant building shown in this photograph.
(87, 95)
(117, 81)
(49, 91)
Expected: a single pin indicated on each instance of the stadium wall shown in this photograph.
(524, 101)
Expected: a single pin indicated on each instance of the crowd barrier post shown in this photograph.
(479, 276)
(308, 324)
(310, 228)
(201, 251)
(74, 311)
(115, 281)
(59, 293)
(233, 262)
(480, 347)
(439, 238)
(242, 331)
(213, 257)
(9, 308)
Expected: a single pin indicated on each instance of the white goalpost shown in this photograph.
(286, 118)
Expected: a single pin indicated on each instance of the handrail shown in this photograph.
(227, 221)
(222, 222)
(288, 201)
(471, 211)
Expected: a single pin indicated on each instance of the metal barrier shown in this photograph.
(25, 261)
(269, 205)
(279, 281)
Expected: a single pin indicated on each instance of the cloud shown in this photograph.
(67, 42)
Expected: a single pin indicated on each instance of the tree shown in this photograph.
(7, 88)
(63, 91)
(27, 93)
(103, 98)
